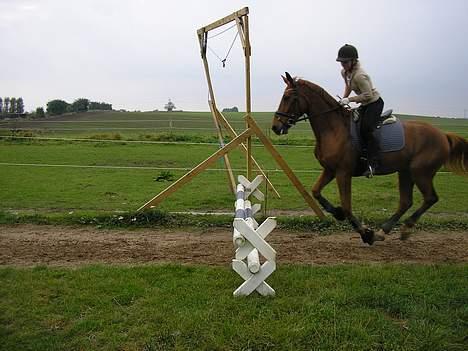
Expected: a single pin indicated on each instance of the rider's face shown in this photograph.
(346, 65)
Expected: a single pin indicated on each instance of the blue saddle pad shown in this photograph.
(391, 136)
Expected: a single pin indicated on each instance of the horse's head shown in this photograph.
(291, 108)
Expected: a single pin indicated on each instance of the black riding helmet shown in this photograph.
(347, 53)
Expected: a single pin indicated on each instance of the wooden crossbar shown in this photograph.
(221, 22)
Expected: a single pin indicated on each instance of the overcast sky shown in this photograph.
(136, 54)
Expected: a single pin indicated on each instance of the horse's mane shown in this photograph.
(329, 100)
(318, 90)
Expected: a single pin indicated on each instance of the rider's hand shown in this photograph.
(344, 102)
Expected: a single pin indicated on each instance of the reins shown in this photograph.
(292, 119)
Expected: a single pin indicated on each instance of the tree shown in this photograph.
(20, 105)
(170, 106)
(6, 106)
(1, 105)
(57, 107)
(80, 105)
(93, 105)
(40, 112)
(233, 109)
(12, 105)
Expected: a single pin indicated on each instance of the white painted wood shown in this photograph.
(256, 208)
(243, 252)
(255, 280)
(241, 268)
(255, 239)
(249, 241)
(238, 239)
(263, 230)
(253, 261)
(251, 187)
(267, 227)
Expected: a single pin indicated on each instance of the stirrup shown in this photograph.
(370, 171)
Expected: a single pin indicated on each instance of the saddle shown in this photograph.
(389, 132)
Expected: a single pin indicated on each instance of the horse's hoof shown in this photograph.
(405, 232)
(338, 213)
(386, 228)
(380, 235)
(368, 235)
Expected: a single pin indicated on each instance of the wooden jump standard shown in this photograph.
(243, 139)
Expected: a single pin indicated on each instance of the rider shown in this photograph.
(357, 80)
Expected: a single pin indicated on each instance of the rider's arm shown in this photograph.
(364, 85)
(347, 90)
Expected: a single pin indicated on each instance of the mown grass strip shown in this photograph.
(162, 219)
(171, 307)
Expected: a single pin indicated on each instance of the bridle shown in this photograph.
(292, 119)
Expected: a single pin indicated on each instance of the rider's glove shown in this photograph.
(344, 101)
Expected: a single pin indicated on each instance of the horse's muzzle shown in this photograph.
(280, 130)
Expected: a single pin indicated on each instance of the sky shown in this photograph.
(137, 54)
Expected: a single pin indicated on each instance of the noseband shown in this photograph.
(292, 118)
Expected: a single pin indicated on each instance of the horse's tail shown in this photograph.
(458, 158)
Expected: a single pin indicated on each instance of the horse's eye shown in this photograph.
(286, 97)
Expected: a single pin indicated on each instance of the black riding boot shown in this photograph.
(373, 157)
(370, 116)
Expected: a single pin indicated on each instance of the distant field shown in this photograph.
(64, 175)
(140, 125)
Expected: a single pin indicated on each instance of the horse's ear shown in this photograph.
(285, 79)
(290, 79)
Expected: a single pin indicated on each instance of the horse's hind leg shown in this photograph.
(424, 182)
(326, 177)
(405, 184)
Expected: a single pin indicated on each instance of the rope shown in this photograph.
(224, 31)
(239, 170)
(223, 61)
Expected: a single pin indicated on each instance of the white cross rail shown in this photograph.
(249, 241)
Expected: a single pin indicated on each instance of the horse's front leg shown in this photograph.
(343, 179)
(326, 177)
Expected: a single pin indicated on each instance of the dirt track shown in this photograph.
(26, 245)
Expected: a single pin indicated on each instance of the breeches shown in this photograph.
(370, 118)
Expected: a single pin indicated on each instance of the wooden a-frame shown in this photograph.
(243, 139)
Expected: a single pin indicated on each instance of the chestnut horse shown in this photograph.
(426, 150)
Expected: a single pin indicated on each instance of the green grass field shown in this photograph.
(391, 307)
(62, 175)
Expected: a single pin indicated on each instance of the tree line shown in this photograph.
(11, 106)
(14, 107)
(58, 107)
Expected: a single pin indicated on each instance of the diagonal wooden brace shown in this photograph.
(263, 230)
(251, 186)
(254, 281)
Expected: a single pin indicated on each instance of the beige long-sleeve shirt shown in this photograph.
(359, 82)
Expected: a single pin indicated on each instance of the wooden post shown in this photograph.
(248, 103)
(227, 162)
(252, 128)
(197, 170)
(233, 134)
(202, 38)
(284, 166)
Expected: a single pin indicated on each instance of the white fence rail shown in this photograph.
(249, 241)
